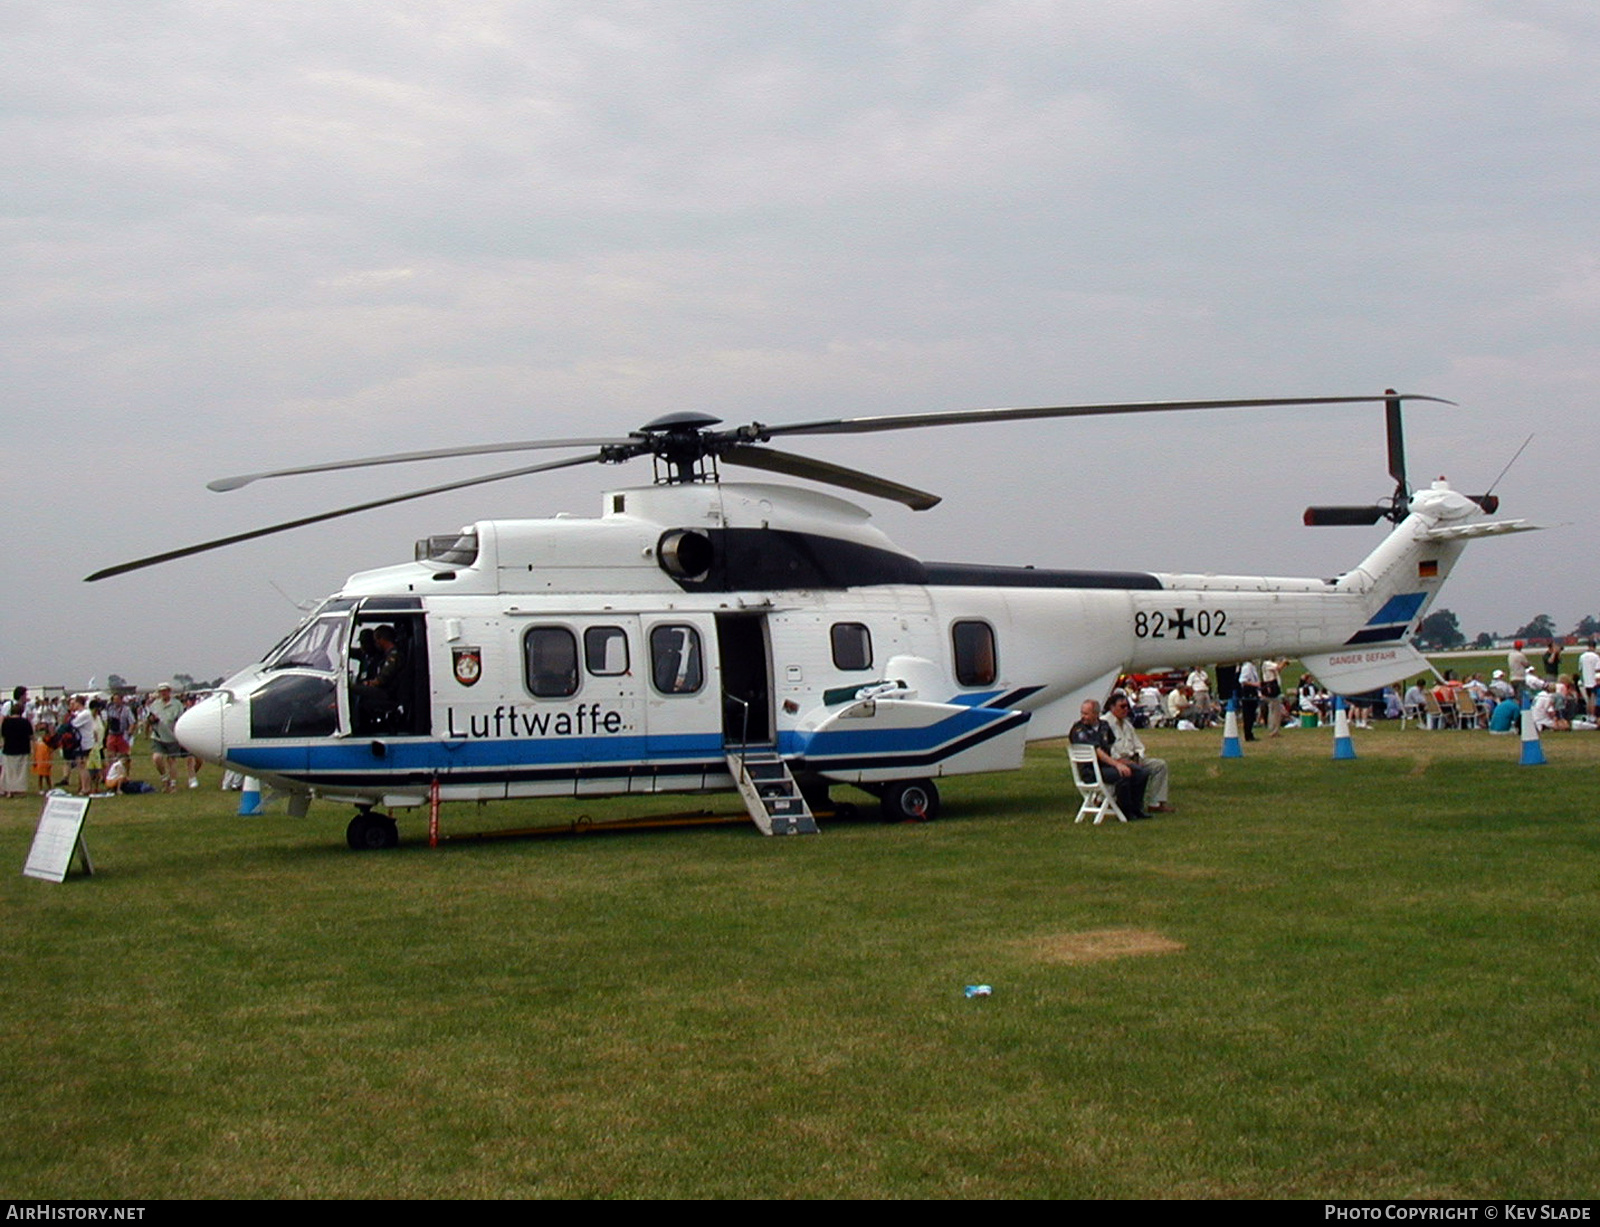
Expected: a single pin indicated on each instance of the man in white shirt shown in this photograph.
(1126, 745)
(1517, 665)
(1200, 687)
(1249, 697)
(1272, 693)
(1589, 676)
(18, 704)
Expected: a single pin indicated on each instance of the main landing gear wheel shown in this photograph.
(910, 801)
(369, 832)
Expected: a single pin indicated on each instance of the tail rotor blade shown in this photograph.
(1397, 444)
(1328, 517)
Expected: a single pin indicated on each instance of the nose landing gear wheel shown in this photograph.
(369, 832)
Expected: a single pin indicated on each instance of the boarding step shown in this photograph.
(771, 795)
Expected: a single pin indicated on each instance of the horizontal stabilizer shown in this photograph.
(1355, 670)
(1492, 528)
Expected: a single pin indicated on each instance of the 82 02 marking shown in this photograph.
(1206, 624)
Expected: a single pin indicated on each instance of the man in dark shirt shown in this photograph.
(381, 695)
(1128, 779)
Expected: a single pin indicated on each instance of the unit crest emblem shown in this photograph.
(468, 665)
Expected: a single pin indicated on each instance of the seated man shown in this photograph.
(1416, 702)
(381, 694)
(1479, 691)
(1127, 747)
(1127, 779)
(1179, 704)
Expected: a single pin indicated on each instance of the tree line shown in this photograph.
(1441, 631)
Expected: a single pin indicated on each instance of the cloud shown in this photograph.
(240, 234)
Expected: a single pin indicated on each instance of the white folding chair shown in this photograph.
(1099, 798)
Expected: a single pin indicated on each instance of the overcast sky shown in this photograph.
(240, 235)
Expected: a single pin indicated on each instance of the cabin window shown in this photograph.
(976, 662)
(852, 646)
(605, 651)
(550, 662)
(676, 662)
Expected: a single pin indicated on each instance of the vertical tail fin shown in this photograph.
(1398, 581)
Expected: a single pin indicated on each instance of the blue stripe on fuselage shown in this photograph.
(490, 757)
(855, 742)
(433, 756)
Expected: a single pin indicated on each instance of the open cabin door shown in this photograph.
(389, 694)
(745, 659)
(770, 793)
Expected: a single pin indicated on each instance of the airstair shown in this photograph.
(771, 794)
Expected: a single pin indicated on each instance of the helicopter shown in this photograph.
(701, 634)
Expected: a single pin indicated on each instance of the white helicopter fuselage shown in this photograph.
(636, 652)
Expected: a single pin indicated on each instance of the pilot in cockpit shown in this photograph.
(380, 694)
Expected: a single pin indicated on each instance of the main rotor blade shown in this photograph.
(812, 469)
(959, 417)
(443, 453)
(170, 555)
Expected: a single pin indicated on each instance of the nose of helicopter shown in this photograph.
(200, 729)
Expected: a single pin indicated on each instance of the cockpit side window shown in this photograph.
(294, 706)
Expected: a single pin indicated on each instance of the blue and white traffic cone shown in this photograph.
(1532, 747)
(250, 798)
(1343, 747)
(1231, 747)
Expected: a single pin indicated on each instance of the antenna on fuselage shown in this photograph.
(302, 606)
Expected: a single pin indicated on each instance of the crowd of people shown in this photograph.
(1259, 690)
(1558, 701)
(84, 745)
(1260, 695)
(1266, 701)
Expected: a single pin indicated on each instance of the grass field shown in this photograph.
(1317, 979)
